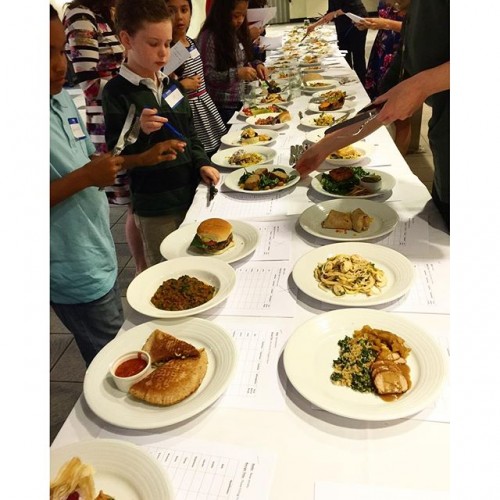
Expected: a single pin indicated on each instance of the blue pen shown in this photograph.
(174, 131)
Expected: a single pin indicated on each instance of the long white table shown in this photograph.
(287, 448)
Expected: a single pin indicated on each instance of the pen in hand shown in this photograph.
(174, 131)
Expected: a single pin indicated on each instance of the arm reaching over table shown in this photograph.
(401, 101)
(312, 158)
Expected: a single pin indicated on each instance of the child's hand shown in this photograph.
(191, 83)
(209, 175)
(247, 74)
(102, 169)
(150, 121)
(163, 151)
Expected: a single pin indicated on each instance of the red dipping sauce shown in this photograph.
(131, 366)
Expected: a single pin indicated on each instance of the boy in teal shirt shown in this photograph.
(83, 269)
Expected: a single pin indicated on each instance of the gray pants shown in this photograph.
(93, 324)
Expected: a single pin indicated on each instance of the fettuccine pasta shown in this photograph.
(349, 274)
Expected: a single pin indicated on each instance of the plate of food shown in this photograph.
(193, 359)
(316, 85)
(349, 155)
(249, 136)
(351, 182)
(262, 180)
(349, 220)
(323, 120)
(275, 98)
(338, 361)
(181, 287)
(227, 240)
(353, 274)
(309, 60)
(247, 111)
(98, 467)
(273, 121)
(247, 156)
(330, 105)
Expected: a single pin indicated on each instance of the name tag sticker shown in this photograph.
(173, 96)
(194, 53)
(75, 127)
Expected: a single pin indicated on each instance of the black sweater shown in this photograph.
(169, 186)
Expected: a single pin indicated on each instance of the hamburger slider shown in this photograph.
(213, 236)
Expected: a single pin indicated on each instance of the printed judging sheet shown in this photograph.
(261, 290)
(256, 384)
(243, 206)
(201, 470)
(275, 239)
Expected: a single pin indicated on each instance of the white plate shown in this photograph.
(319, 94)
(122, 469)
(326, 85)
(251, 120)
(221, 158)
(210, 270)
(397, 269)
(315, 135)
(285, 102)
(344, 162)
(314, 107)
(308, 120)
(384, 221)
(306, 64)
(260, 106)
(178, 244)
(232, 179)
(311, 349)
(388, 183)
(316, 68)
(120, 409)
(233, 138)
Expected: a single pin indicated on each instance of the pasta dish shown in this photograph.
(245, 159)
(349, 274)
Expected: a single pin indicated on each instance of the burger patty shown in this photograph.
(215, 246)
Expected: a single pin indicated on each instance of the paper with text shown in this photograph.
(261, 290)
(275, 239)
(256, 383)
(178, 54)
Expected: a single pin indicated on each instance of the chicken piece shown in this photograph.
(277, 174)
(390, 382)
(341, 174)
(260, 171)
(252, 182)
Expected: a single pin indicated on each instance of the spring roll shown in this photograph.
(360, 220)
(337, 220)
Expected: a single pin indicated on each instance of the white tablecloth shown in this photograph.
(298, 451)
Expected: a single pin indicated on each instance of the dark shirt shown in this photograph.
(169, 186)
(343, 23)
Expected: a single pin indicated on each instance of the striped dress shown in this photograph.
(207, 121)
(96, 54)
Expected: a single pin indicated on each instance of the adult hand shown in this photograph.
(209, 175)
(309, 161)
(150, 121)
(401, 101)
(247, 74)
(162, 151)
(191, 83)
(262, 72)
(102, 170)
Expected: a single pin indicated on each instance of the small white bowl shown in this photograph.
(372, 182)
(124, 383)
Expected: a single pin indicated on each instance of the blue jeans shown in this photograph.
(93, 324)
